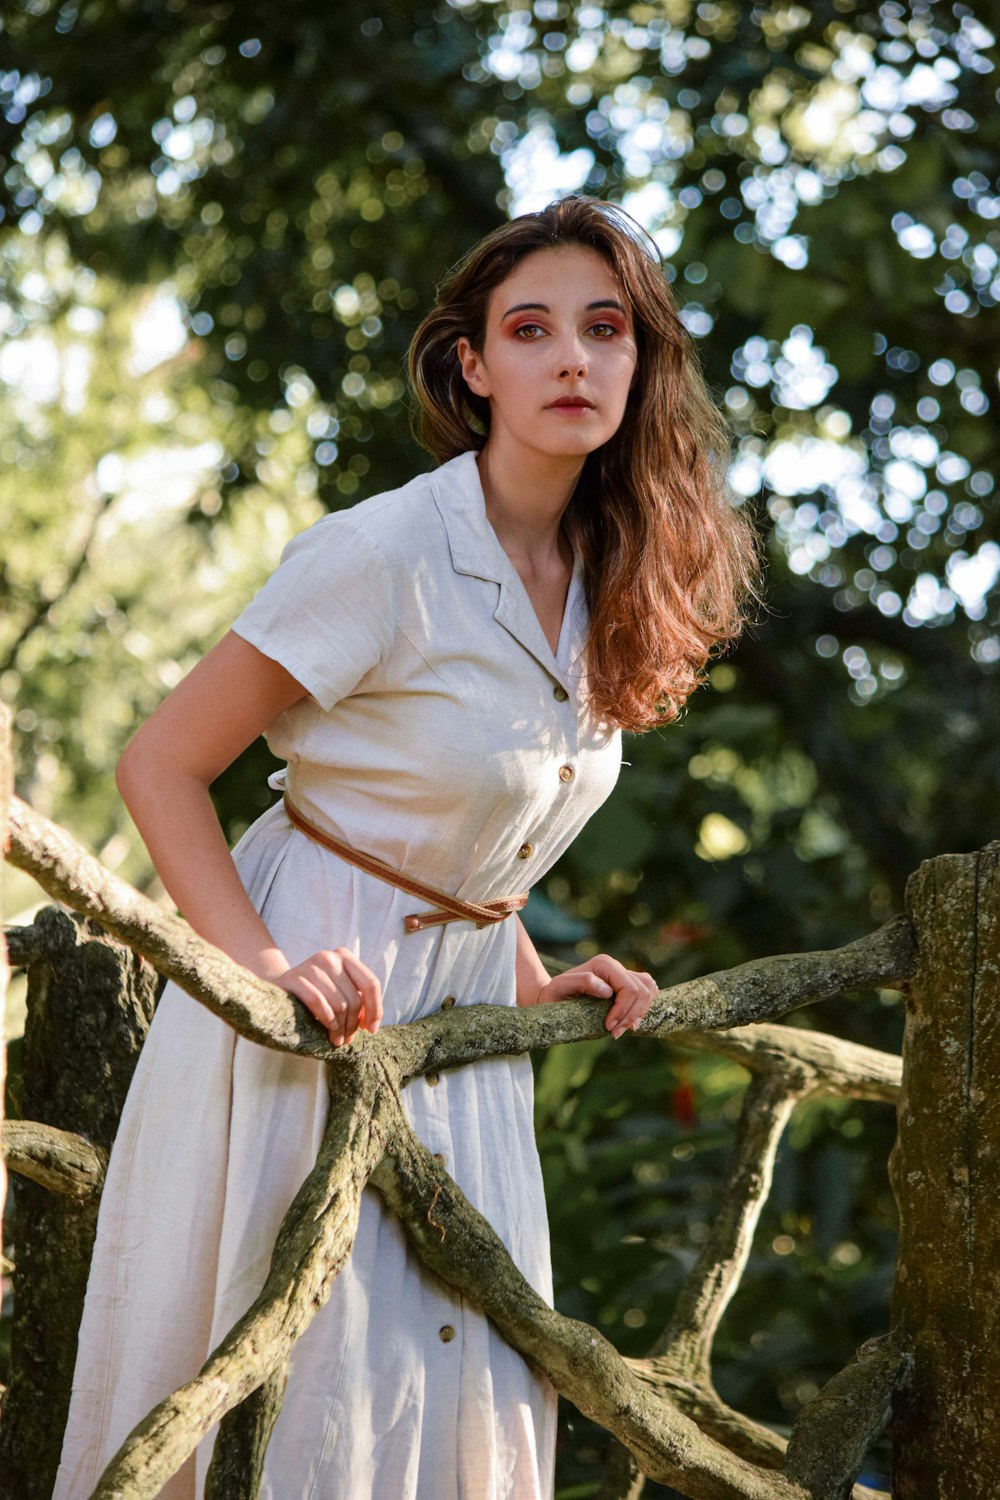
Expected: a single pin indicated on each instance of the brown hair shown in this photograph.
(670, 562)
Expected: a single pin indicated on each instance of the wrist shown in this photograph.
(531, 976)
(269, 964)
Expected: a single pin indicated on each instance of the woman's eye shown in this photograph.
(609, 330)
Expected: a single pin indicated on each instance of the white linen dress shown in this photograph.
(441, 734)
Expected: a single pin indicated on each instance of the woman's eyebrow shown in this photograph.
(544, 307)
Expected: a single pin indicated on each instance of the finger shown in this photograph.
(310, 982)
(315, 1002)
(330, 972)
(338, 1025)
(609, 968)
(623, 981)
(327, 972)
(347, 1004)
(630, 997)
(629, 1022)
(645, 990)
(368, 988)
(581, 982)
(628, 986)
(640, 1009)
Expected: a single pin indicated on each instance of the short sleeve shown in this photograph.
(326, 612)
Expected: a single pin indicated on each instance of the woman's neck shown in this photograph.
(526, 497)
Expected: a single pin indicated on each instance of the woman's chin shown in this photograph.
(576, 444)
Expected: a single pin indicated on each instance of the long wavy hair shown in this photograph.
(671, 563)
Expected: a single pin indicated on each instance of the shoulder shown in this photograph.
(397, 523)
(392, 527)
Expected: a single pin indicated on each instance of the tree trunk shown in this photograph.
(90, 1001)
(943, 1167)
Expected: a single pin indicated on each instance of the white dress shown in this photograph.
(437, 735)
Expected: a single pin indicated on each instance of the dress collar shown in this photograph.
(476, 550)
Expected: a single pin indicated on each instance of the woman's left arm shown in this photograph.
(600, 977)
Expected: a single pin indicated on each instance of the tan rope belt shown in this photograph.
(446, 908)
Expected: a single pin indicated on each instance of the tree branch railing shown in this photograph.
(670, 1423)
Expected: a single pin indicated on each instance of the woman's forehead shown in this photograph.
(557, 274)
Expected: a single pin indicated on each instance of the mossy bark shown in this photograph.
(240, 1448)
(90, 1001)
(943, 1168)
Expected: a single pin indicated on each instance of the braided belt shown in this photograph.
(446, 908)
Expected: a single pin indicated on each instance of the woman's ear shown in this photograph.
(471, 365)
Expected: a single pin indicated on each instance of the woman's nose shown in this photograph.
(573, 360)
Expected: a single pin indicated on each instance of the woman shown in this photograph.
(446, 668)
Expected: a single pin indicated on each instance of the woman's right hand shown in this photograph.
(338, 989)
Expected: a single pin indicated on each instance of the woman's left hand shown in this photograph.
(603, 977)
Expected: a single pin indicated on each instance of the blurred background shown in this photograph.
(220, 226)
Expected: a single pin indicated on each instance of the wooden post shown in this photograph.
(945, 1173)
(90, 1001)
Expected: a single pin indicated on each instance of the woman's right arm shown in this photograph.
(233, 694)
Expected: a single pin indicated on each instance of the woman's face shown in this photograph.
(557, 330)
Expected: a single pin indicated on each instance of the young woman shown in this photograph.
(447, 669)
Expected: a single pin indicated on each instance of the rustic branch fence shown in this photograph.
(934, 1374)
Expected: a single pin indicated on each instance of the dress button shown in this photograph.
(526, 851)
(566, 773)
(433, 1078)
(447, 1002)
(439, 1156)
(559, 693)
(446, 1334)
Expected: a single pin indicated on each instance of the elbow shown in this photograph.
(150, 765)
(136, 765)
(125, 770)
